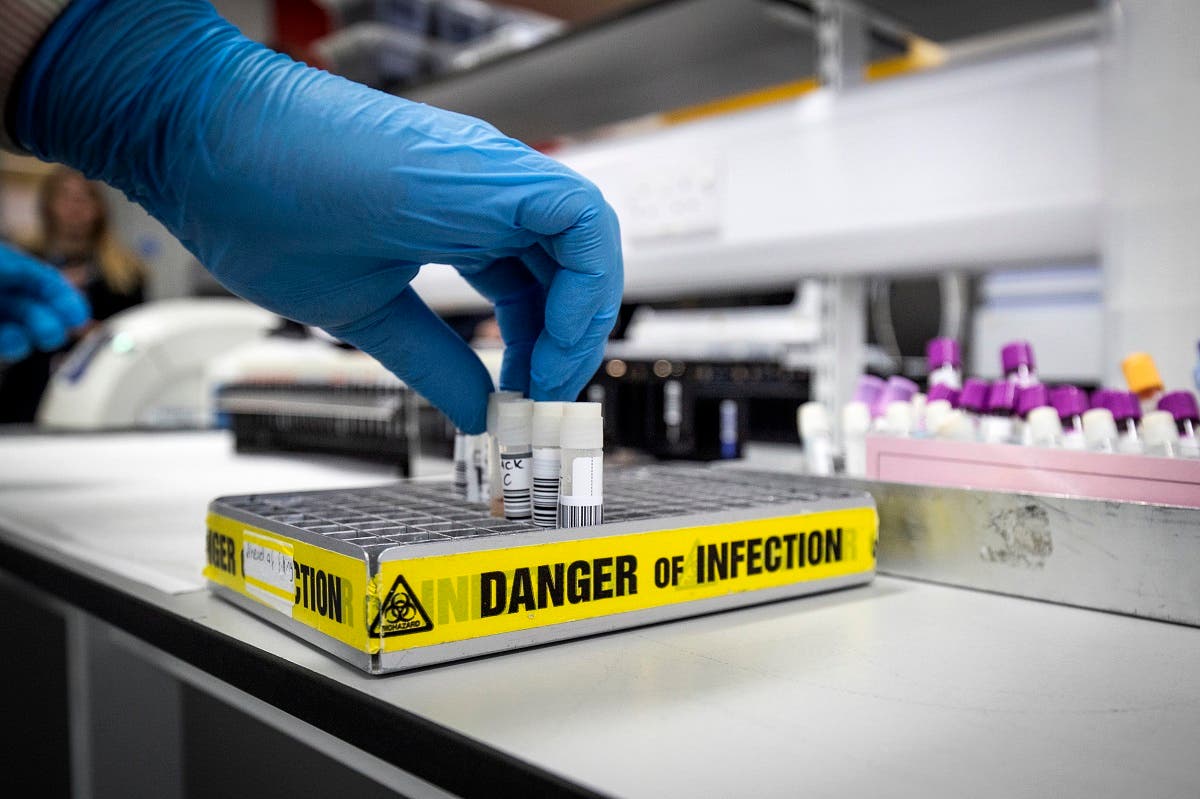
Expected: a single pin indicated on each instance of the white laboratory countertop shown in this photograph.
(901, 688)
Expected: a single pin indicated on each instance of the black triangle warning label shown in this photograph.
(400, 613)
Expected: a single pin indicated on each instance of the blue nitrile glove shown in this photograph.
(319, 198)
(38, 307)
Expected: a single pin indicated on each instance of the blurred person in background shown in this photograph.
(74, 237)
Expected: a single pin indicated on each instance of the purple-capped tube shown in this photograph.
(1127, 412)
(997, 426)
(1029, 398)
(944, 362)
(1101, 396)
(1182, 405)
(868, 390)
(941, 391)
(1071, 403)
(972, 401)
(1016, 361)
(897, 389)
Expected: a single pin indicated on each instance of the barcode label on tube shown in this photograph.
(514, 477)
(546, 464)
(580, 515)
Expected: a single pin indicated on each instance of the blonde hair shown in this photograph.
(120, 268)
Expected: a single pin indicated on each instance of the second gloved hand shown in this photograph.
(319, 198)
(38, 307)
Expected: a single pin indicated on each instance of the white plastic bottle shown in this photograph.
(1044, 427)
(514, 440)
(475, 458)
(856, 421)
(581, 478)
(817, 438)
(898, 417)
(1160, 435)
(1182, 405)
(957, 425)
(935, 414)
(1099, 430)
(547, 461)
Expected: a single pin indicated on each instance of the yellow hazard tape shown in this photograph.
(437, 600)
(421, 602)
(324, 590)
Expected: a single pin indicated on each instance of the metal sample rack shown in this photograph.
(409, 574)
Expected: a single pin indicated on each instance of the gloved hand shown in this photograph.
(319, 198)
(38, 307)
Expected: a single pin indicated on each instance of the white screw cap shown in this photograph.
(494, 401)
(1045, 428)
(1158, 428)
(1099, 428)
(582, 426)
(856, 419)
(899, 418)
(547, 423)
(812, 419)
(514, 424)
(936, 413)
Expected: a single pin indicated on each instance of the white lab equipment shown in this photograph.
(145, 367)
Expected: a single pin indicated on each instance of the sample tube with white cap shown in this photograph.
(817, 438)
(1160, 434)
(547, 461)
(1182, 405)
(1100, 430)
(514, 440)
(1043, 427)
(581, 478)
(460, 463)
(856, 422)
(489, 486)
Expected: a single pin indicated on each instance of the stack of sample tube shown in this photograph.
(539, 461)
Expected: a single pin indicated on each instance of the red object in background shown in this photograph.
(299, 23)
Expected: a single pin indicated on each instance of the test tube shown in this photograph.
(919, 402)
(897, 389)
(944, 360)
(997, 427)
(1160, 434)
(1028, 398)
(898, 418)
(460, 464)
(1070, 402)
(1127, 412)
(956, 426)
(474, 448)
(936, 413)
(1099, 430)
(817, 438)
(1016, 361)
(856, 421)
(973, 400)
(489, 488)
(868, 390)
(581, 478)
(1142, 376)
(547, 461)
(1044, 427)
(514, 441)
(1182, 406)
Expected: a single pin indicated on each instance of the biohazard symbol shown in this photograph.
(400, 613)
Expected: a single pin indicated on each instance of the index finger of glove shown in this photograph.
(519, 299)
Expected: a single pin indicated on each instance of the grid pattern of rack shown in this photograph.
(419, 512)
